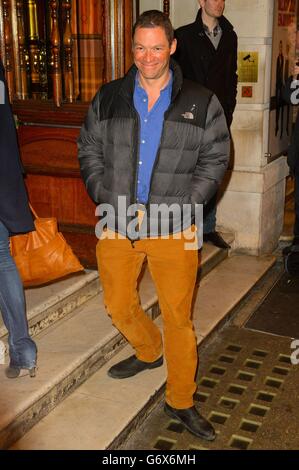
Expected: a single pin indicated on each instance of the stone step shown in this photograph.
(101, 412)
(49, 304)
(69, 352)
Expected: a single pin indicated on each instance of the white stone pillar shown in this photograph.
(253, 203)
(150, 5)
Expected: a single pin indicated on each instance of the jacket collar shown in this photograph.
(223, 22)
(128, 82)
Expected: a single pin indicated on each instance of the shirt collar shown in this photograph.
(168, 86)
(217, 30)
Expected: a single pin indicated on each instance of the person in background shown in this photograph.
(15, 217)
(290, 95)
(207, 54)
(154, 138)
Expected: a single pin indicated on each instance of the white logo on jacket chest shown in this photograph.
(189, 114)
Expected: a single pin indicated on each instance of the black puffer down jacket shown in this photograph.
(191, 160)
(291, 90)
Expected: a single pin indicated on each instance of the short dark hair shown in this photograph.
(152, 19)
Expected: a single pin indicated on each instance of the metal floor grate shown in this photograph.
(248, 389)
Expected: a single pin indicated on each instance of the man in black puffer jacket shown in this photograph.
(153, 139)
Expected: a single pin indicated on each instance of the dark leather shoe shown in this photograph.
(288, 249)
(132, 366)
(216, 239)
(12, 372)
(193, 421)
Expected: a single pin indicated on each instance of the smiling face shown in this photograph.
(213, 8)
(152, 52)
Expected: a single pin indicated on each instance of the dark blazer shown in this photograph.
(14, 211)
(202, 63)
(291, 96)
(293, 151)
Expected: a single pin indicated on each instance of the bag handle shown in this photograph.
(33, 211)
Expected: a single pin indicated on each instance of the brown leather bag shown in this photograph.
(43, 255)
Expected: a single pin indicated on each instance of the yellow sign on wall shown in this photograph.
(248, 67)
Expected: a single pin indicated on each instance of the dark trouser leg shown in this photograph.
(209, 215)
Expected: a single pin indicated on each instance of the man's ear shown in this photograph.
(173, 46)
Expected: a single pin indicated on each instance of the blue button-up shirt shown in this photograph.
(151, 126)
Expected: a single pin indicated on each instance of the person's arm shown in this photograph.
(213, 155)
(7, 119)
(90, 151)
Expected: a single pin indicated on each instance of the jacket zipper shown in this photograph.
(154, 167)
(136, 152)
(157, 155)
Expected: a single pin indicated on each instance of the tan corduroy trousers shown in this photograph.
(174, 270)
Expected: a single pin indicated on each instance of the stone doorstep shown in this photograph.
(48, 304)
(102, 408)
(69, 352)
(79, 369)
